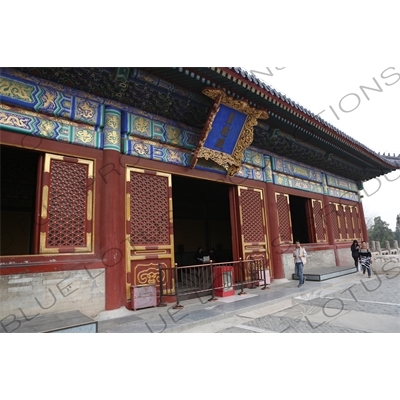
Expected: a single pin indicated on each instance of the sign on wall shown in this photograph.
(228, 131)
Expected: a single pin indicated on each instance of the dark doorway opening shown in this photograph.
(201, 219)
(299, 211)
(18, 200)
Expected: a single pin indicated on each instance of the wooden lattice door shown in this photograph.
(356, 221)
(149, 229)
(284, 218)
(253, 226)
(66, 210)
(318, 221)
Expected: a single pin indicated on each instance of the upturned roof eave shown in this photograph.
(250, 82)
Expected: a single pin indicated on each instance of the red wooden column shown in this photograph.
(273, 231)
(111, 176)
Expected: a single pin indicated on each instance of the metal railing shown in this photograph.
(211, 279)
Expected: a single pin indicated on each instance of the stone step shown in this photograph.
(64, 322)
(324, 273)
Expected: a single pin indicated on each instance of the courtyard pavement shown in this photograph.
(348, 304)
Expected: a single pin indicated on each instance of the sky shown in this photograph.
(370, 117)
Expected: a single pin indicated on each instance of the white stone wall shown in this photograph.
(345, 258)
(316, 259)
(28, 295)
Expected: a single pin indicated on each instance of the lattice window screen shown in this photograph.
(334, 218)
(349, 221)
(342, 220)
(252, 216)
(285, 227)
(149, 199)
(357, 223)
(319, 221)
(66, 213)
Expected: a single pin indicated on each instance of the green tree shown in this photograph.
(397, 231)
(380, 232)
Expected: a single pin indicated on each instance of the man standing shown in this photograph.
(299, 256)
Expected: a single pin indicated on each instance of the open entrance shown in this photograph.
(300, 211)
(201, 219)
(19, 170)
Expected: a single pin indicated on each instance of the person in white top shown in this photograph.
(299, 256)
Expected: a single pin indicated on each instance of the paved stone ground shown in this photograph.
(351, 303)
(271, 323)
(369, 305)
(380, 288)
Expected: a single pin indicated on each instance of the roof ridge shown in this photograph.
(252, 78)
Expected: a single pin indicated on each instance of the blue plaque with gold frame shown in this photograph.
(228, 131)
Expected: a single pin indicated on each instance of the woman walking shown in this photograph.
(365, 259)
(354, 252)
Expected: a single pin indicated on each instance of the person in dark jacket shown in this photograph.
(355, 248)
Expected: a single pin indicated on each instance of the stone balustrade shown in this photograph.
(390, 250)
(381, 251)
(372, 247)
(387, 254)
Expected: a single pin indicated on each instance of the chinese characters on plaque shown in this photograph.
(228, 131)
